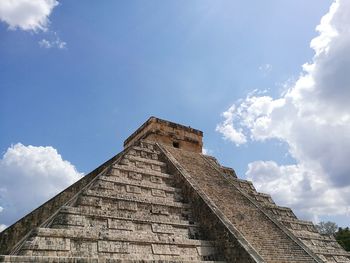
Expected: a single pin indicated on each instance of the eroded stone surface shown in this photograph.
(132, 211)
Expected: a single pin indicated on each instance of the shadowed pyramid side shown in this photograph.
(130, 211)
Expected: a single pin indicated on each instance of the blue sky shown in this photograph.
(181, 61)
(108, 66)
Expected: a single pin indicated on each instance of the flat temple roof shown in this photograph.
(153, 119)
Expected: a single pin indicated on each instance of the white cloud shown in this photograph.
(227, 129)
(32, 15)
(29, 176)
(207, 151)
(313, 118)
(2, 227)
(306, 189)
(45, 43)
(57, 43)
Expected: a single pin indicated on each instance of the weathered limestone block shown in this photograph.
(125, 161)
(158, 168)
(165, 249)
(160, 210)
(135, 176)
(114, 247)
(114, 172)
(162, 228)
(111, 183)
(156, 180)
(145, 172)
(147, 145)
(48, 243)
(86, 200)
(120, 224)
(126, 205)
(133, 189)
(84, 248)
(158, 193)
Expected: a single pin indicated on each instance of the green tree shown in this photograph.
(343, 237)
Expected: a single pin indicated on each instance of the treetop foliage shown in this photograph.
(342, 235)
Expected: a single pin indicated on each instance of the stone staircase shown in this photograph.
(324, 246)
(273, 242)
(133, 212)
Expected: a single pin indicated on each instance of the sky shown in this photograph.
(266, 81)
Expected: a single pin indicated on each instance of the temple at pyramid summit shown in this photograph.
(161, 200)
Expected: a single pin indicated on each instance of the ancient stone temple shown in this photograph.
(162, 200)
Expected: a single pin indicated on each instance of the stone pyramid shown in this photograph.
(162, 200)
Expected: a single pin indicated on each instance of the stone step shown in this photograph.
(326, 247)
(139, 183)
(315, 237)
(296, 227)
(261, 198)
(280, 212)
(125, 215)
(123, 186)
(139, 148)
(48, 259)
(334, 259)
(297, 221)
(103, 195)
(250, 220)
(132, 228)
(147, 144)
(227, 171)
(244, 185)
(94, 234)
(330, 252)
(138, 192)
(68, 221)
(132, 205)
(131, 157)
(116, 171)
(143, 163)
(126, 252)
(87, 241)
(317, 246)
(144, 152)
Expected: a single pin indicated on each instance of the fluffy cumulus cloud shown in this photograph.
(228, 130)
(29, 176)
(31, 15)
(27, 14)
(313, 118)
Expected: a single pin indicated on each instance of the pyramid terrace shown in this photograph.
(161, 200)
